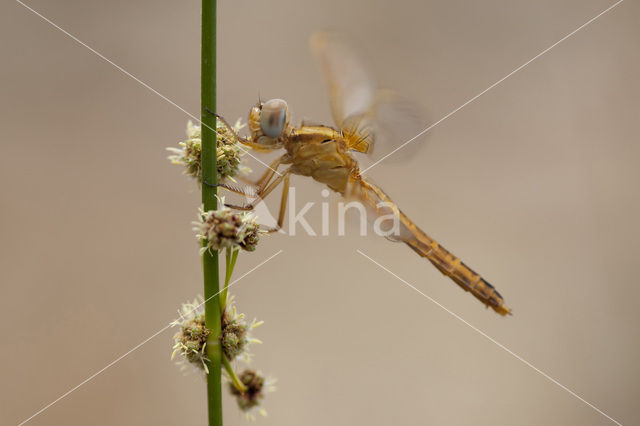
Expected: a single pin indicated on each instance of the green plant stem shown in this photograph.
(231, 259)
(210, 202)
(232, 374)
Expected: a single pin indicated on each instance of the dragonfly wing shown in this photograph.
(393, 122)
(352, 89)
(367, 115)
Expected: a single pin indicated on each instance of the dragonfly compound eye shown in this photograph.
(274, 117)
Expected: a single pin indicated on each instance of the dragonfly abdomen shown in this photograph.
(426, 246)
(458, 271)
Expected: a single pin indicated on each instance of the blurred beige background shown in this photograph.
(535, 185)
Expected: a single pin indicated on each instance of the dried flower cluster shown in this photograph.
(228, 152)
(256, 386)
(236, 333)
(191, 341)
(224, 229)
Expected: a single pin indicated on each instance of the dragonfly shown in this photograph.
(364, 117)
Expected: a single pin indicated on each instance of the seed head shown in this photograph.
(225, 229)
(251, 398)
(228, 152)
(191, 341)
(236, 333)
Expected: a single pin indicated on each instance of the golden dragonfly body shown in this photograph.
(326, 154)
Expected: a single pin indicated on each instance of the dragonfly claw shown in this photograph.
(210, 185)
(243, 207)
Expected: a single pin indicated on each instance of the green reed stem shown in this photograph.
(231, 259)
(210, 202)
(232, 375)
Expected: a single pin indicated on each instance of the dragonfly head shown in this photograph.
(268, 121)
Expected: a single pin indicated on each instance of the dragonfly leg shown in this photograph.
(221, 118)
(244, 141)
(283, 206)
(262, 193)
(268, 174)
(247, 191)
(253, 188)
(250, 191)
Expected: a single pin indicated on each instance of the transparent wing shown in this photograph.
(374, 121)
(351, 88)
